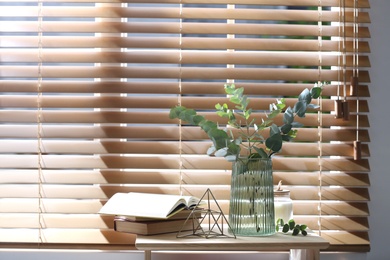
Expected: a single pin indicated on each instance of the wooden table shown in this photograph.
(301, 247)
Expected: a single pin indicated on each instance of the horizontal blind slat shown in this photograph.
(149, 132)
(348, 3)
(187, 28)
(173, 42)
(82, 237)
(334, 223)
(331, 208)
(198, 73)
(185, 12)
(152, 102)
(165, 177)
(187, 88)
(170, 162)
(183, 57)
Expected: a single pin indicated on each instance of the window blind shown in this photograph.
(86, 88)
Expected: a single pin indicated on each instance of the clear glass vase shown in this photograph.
(252, 198)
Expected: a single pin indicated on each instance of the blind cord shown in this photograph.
(339, 52)
(319, 117)
(356, 61)
(39, 124)
(344, 51)
(180, 101)
(338, 101)
(357, 147)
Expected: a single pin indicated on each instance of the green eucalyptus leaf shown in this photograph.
(274, 129)
(296, 124)
(207, 125)
(292, 133)
(221, 152)
(313, 106)
(175, 112)
(291, 224)
(248, 113)
(254, 156)
(197, 119)
(279, 223)
(219, 137)
(244, 102)
(286, 228)
(274, 142)
(211, 150)
(305, 96)
(222, 114)
(187, 115)
(238, 141)
(304, 232)
(300, 108)
(273, 114)
(239, 92)
(238, 97)
(281, 103)
(316, 92)
(286, 138)
(234, 148)
(232, 120)
(235, 100)
(231, 158)
(288, 116)
(295, 231)
(261, 152)
(286, 128)
(229, 89)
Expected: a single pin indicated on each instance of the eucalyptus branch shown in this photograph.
(291, 226)
(228, 146)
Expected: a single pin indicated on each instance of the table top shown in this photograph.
(278, 241)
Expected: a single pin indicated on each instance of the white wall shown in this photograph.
(380, 122)
(380, 171)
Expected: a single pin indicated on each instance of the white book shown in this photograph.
(150, 205)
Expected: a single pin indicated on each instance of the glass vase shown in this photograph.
(251, 210)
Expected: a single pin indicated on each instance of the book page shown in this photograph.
(192, 201)
(143, 204)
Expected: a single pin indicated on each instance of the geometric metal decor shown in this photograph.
(211, 224)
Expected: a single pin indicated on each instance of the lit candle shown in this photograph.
(283, 204)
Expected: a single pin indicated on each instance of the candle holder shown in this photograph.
(283, 205)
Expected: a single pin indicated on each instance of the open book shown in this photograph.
(149, 205)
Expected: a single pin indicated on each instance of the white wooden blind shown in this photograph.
(86, 87)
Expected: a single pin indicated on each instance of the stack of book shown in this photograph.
(152, 214)
(181, 221)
